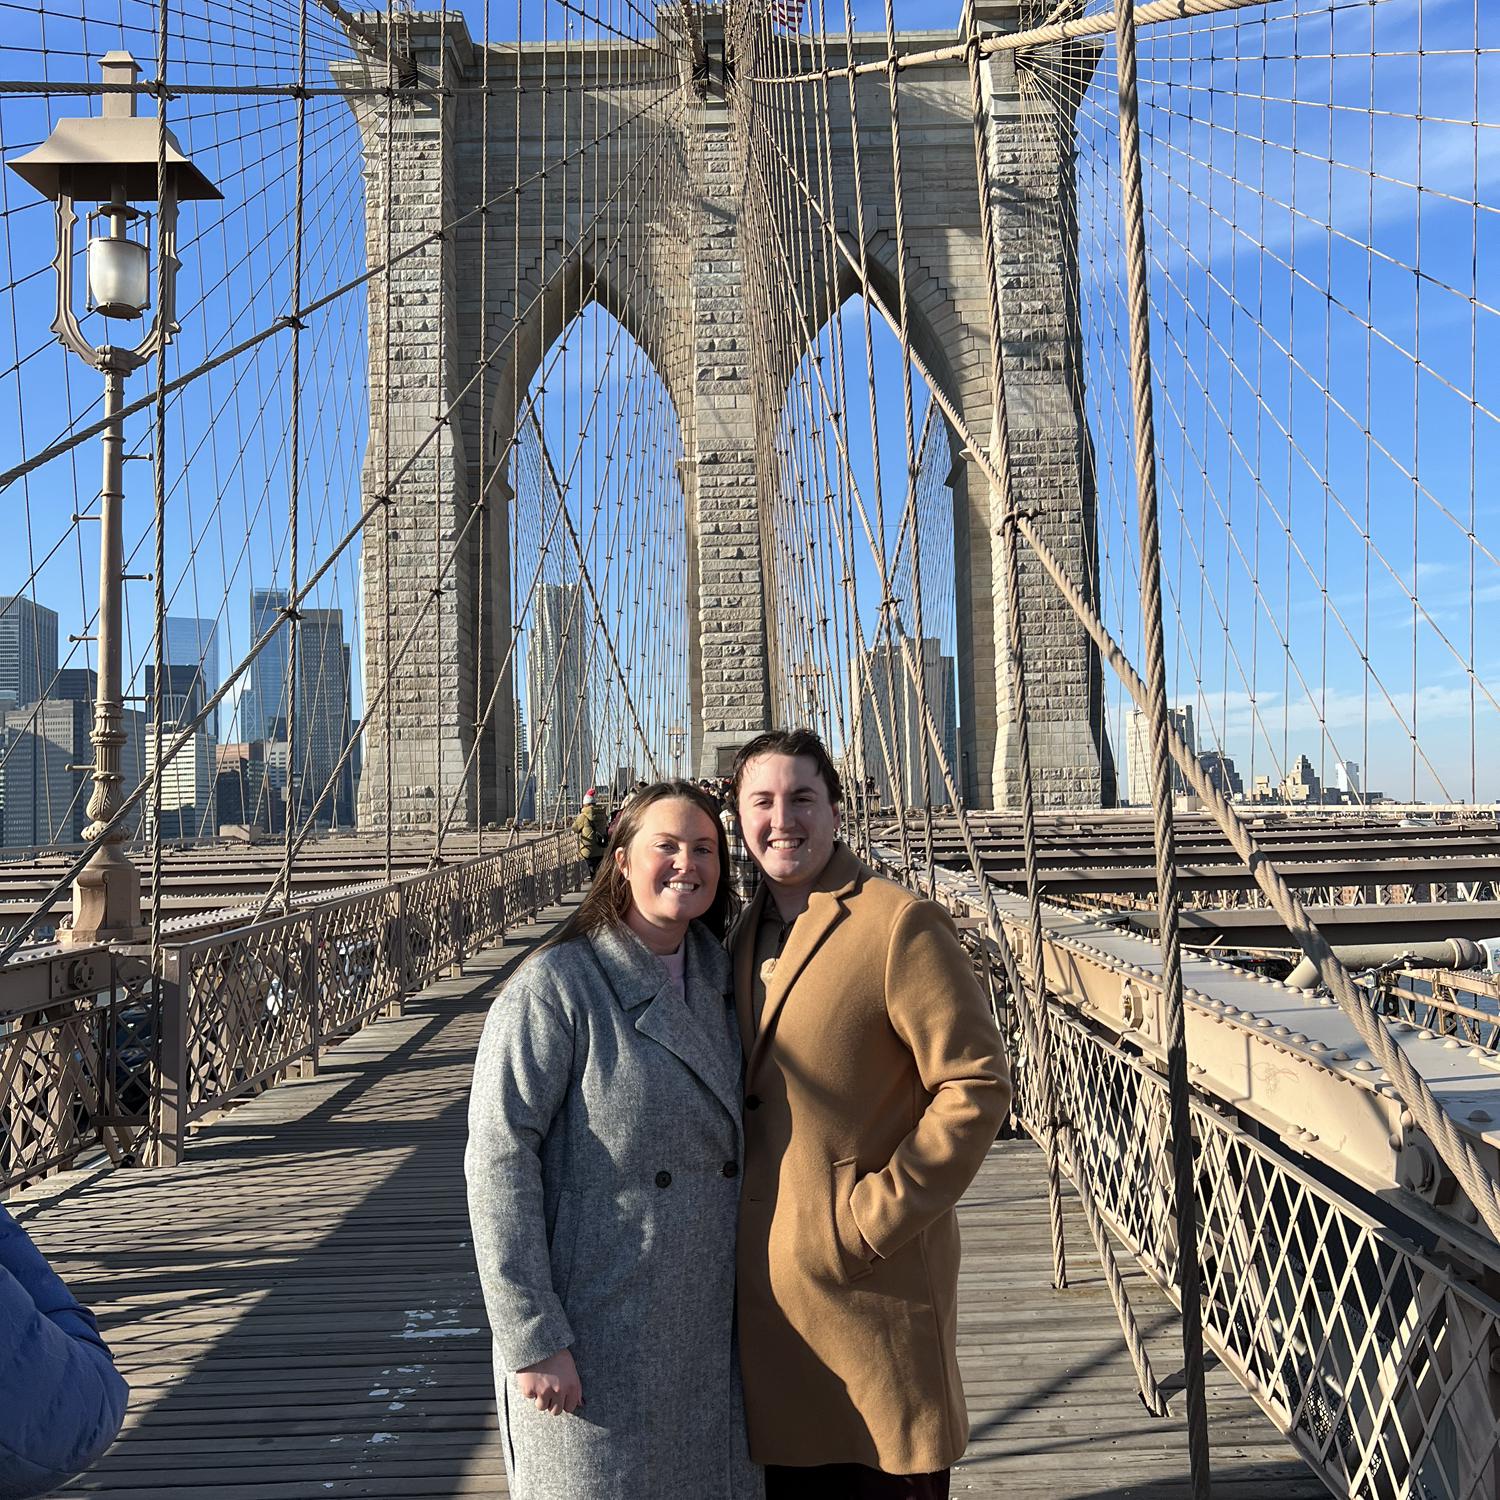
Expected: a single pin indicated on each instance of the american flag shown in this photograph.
(787, 14)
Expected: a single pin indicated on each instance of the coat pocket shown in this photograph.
(564, 1243)
(851, 1261)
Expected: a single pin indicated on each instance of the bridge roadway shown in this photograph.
(297, 1311)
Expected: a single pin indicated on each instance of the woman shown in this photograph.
(603, 1166)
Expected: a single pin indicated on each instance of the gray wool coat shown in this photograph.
(603, 1167)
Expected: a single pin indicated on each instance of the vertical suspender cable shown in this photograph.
(294, 462)
(159, 495)
(387, 500)
(443, 445)
(1168, 901)
(1041, 1040)
(923, 758)
(1016, 676)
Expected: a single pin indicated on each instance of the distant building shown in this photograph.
(1138, 752)
(183, 694)
(1221, 773)
(1346, 779)
(525, 788)
(28, 649)
(46, 756)
(264, 698)
(885, 673)
(323, 721)
(1300, 786)
(322, 715)
(243, 794)
(562, 730)
(44, 799)
(190, 642)
(188, 795)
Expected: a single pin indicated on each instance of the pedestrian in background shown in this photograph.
(592, 827)
(61, 1398)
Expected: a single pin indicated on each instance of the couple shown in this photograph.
(688, 1165)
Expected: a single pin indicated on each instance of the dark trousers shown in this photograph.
(852, 1482)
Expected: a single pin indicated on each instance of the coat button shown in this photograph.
(752, 1101)
(731, 1169)
(664, 1179)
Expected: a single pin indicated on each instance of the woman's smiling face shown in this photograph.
(672, 865)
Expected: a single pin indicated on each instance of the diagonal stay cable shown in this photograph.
(287, 321)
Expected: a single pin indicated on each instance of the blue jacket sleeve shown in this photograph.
(61, 1398)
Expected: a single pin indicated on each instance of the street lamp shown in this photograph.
(676, 740)
(112, 161)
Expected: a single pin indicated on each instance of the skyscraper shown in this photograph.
(885, 669)
(43, 797)
(189, 802)
(323, 720)
(562, 732)
(79, 686)
(1138, 752)
(28, 648)
(525, 789)
(192, 642)
(264, 698)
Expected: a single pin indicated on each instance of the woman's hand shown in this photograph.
(553, 1384)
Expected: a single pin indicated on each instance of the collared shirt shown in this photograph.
(770, 943)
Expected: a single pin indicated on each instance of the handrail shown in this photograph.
(97, 1056)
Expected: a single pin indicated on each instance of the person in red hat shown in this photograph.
(592, 827)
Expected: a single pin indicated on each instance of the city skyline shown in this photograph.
(46, 749)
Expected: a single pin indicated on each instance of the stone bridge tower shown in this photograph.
(659, 238)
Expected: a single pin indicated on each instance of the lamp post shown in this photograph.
(676, 740)
(112, 161)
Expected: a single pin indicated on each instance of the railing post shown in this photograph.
(456, 925)
(312, 998)
(403, 962)
(497, 900)
(173, 1091)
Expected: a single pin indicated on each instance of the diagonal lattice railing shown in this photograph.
(97, 1062)
(1364, 1341)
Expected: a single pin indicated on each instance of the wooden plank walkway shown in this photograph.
(297, 1311)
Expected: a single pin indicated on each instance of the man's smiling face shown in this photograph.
(788, 819)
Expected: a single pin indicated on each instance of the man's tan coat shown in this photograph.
(874, 1085)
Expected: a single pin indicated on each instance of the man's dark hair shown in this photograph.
(788, 742)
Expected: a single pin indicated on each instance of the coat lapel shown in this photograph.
(826, 908)
(742, 947)
(641, 986)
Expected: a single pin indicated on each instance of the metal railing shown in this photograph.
(1447, 1002)
(96, 1055)
(1366, 1338)
(77, 1063)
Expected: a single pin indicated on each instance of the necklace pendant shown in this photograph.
(767, 969)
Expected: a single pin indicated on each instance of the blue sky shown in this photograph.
(1306, 251)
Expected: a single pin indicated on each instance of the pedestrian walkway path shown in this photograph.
(297, 1310)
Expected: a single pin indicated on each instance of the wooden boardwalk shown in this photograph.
(297, 1311)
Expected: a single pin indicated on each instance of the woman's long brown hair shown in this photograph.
(608, 899)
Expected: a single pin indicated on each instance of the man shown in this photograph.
(874, 1084)
(592, 827)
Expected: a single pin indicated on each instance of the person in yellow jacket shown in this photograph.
(875, 1082)
(592, 827)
